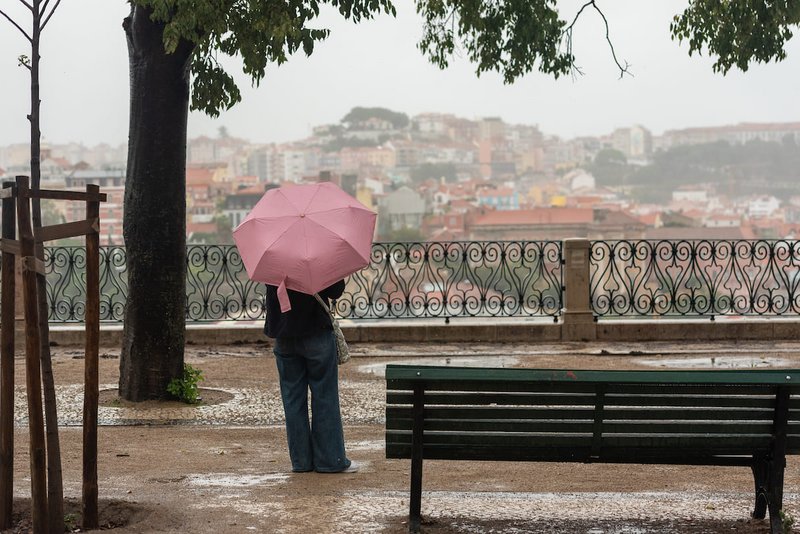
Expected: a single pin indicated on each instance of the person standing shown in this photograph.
(306, 357)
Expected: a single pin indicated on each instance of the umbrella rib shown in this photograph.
(274, 241)
(305, 243)
(322, 209)
(345, 241)
(337, 234)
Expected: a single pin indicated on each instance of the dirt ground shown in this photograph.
(159, 472)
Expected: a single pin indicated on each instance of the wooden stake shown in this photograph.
(7, 320)
(91, 379)
(32, 364)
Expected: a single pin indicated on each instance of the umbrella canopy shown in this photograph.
(305, 238)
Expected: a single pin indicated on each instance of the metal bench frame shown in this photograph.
(729, 418)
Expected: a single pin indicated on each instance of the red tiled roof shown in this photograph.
(205, 227)
(198, 175)
(617, 217)
(649, 219)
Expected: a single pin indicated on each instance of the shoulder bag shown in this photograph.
(341, 343)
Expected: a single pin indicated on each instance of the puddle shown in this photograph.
(379, 369)
(233, 480)
(717, 362)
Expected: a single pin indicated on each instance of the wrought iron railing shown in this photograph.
(403, 280)
(695, 278)
(457, 279)
(66, 283)
(478, 279)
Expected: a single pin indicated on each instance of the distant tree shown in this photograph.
(340, 142)
(756, 166)
(610, 156)
(357, 115)
(426, 171)
(610, 167)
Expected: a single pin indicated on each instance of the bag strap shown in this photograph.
(324, 305)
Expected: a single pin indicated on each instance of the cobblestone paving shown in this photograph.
(362, 403)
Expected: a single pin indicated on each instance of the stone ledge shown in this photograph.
(484, 331)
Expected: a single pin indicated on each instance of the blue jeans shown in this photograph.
(311, 363)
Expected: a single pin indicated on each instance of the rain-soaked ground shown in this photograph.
(222, 466)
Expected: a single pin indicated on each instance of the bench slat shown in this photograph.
(526, 426)
(521, 387)
(502, 399)
(722, 443)
(414, 373)
(567, 399)
(576, 454)
(581, 387)
(586, 413)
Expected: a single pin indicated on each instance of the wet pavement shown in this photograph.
(363, 400)
(257, 493)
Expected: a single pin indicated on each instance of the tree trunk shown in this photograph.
(154, 224)
(55, 485)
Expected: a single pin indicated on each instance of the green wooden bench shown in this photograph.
(731, 417)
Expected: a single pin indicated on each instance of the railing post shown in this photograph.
(577, 319)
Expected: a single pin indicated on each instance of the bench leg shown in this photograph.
(415, 506)
(760, 477)
(775, 492)
(768, 477)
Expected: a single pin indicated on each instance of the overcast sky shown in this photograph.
(85, 80)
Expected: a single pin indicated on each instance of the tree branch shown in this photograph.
(47, 19)
(623, 70)
(17, 26)
(26, 4)
(577, 15)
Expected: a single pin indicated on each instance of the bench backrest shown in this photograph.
(684, 417)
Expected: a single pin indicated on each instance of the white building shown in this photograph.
(763, 206)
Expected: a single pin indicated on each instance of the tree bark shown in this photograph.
(154, 223)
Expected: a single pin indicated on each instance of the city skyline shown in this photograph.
(376, 64)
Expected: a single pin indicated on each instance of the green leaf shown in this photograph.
(737, 32)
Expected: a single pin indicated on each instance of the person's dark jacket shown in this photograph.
(307, 316)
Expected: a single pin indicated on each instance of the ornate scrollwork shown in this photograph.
(697, 277)
(403, 280)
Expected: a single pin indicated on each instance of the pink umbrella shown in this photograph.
(305, 238)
